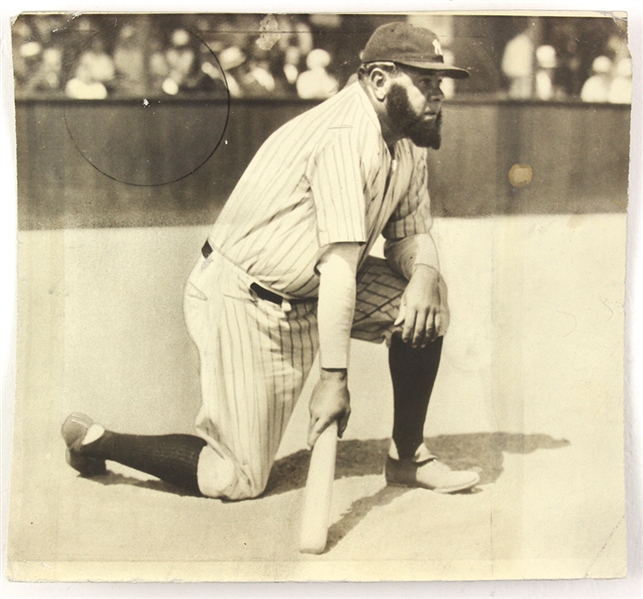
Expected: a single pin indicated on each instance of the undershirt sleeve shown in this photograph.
(403, 254)
(337, 269)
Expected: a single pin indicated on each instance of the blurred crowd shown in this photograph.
(289, 56)
(544, 72)
(93, 57)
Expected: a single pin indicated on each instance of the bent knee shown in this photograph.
(220, 478)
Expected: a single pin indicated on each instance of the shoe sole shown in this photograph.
(441, 490)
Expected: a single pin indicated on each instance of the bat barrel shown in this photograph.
(318, 493)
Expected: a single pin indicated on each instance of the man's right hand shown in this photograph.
(424, 310)
(330, 401)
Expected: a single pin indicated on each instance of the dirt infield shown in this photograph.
(529, 394)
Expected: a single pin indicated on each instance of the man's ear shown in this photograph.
(380, 82)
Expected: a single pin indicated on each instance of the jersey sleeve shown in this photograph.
(336, 177)
(413, 214)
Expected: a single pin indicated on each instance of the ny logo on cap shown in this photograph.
(437, 47)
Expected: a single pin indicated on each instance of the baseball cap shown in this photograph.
(409, 45)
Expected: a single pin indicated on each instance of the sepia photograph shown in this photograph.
(320, 296)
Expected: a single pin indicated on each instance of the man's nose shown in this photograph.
(434, 101)
(435, 94)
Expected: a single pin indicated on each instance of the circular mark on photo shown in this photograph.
(145, 113)
(520, 175)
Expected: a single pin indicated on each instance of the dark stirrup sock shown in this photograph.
(413, 372)
(172, 458)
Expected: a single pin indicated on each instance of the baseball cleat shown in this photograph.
(431, 474)
(74, 431)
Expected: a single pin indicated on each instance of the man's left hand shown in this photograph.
(424, 311)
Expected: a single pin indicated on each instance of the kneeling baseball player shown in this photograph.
(286, 272)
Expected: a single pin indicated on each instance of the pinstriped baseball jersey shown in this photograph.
(327, 176)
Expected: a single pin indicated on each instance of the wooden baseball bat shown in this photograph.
(318, 492)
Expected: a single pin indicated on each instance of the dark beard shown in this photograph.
(425, 134)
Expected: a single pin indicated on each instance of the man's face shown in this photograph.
(414, 106)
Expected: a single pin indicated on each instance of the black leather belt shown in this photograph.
(261, 292)
(206, 250)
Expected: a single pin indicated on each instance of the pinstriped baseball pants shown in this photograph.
(254, 359)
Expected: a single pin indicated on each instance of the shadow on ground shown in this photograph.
(114, 478)
(357, 511)
(482, 452)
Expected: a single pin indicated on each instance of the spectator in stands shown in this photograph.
(232, 60)
(327, 35)
(98, 65)
(545, 66)
(616, 47)
(292, 60)
(316, 82)
(210, 77)
(84, 87)
(94, 71)
(254, 74)
(258, 80)
(295, 33)
(20, 38)
(517, 64)
(597, 87)
(180, 61)
(158, 67)
(47, 76)
(295, 42)
(129, 62)
(37, 57)
(620, 91)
